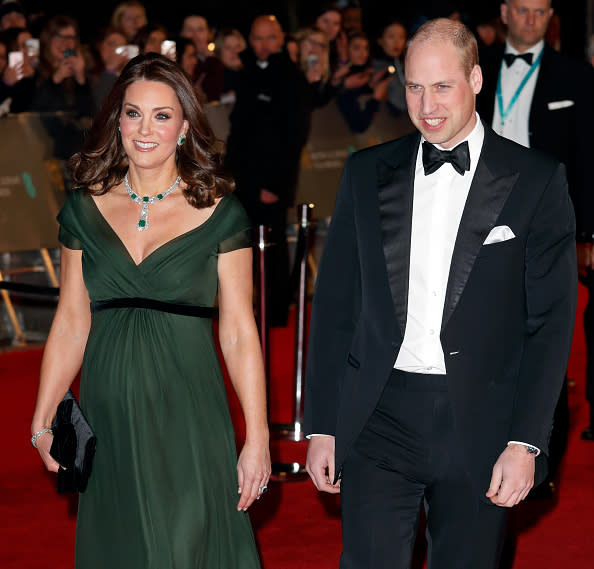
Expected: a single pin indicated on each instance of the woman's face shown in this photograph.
(21, 39)
(132, 19)
(151, 122)
(314, 44)
(154, 41)
(196, 29)
(107, 48)
(189, 59)
(329, 23)
(66, 38)
(359, 51)
(232, 47)
(393, 40)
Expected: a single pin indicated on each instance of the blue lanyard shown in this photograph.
(504, 113)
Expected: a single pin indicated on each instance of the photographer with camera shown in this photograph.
(391, 42)
(61, 77)
(63, 89)
(18, 76)
(362, 88)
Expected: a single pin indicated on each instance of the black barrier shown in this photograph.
(29, 288)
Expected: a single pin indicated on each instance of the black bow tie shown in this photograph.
(511, 57)
(433, 158)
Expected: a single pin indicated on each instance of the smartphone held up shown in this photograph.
(16, 60)
(128, 51)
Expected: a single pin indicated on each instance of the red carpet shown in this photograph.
(295, 527)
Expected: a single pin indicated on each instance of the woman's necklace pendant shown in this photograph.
(145, 201)
(143, 221)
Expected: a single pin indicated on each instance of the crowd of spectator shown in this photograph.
(359, 69)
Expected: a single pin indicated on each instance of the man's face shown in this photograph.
(440, 98)
(196, 29)
(526, 21)
(13, 20)
(266, 38)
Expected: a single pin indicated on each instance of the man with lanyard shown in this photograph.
(545, 100)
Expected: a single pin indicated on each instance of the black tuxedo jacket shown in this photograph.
(565, 132)
(509, 309)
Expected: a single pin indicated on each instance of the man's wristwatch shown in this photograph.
(531, 449)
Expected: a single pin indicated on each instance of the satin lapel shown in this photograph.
(488, 193)
(395, 194)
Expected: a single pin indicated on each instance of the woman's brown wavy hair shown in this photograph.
(102, 162)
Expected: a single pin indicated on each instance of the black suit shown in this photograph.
(565, 133)
(508, 314)
(268, 129)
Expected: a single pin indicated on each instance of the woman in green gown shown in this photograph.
(167, 490)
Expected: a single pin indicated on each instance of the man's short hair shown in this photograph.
(509, 1)
(453, 31)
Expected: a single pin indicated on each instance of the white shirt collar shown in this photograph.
(535, 49)
(475, 142)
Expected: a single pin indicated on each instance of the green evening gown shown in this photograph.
(163, 491)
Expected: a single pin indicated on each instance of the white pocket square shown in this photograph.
(498, 234)
(556, 105)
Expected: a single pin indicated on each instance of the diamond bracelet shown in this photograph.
(38, 434)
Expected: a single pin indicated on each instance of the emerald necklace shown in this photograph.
(145, 201)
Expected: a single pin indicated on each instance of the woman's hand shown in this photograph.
(44, 443)
(64, 70)
(357, 80)
(77, 64)
(253, 473)
(314, 73)
(11, 75)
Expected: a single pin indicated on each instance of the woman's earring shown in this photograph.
(181, 140)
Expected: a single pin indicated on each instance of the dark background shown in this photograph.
(296, 13)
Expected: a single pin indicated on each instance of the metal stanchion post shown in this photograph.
(294, 431)
(262, 314)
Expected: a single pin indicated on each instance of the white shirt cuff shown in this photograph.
(525, 445)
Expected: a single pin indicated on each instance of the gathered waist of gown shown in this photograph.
(152, 304)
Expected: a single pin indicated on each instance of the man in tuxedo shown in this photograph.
(441, 324)
(542, 99)
(267, 131)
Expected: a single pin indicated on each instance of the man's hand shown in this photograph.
(320, 463)
(513, 476)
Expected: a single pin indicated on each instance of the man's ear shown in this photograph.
(503, 11)
(476, 79)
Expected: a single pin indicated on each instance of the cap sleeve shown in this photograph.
(239, 240)
(238, 234)
(67, 239)
(68, 234)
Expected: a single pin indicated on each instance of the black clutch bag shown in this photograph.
(73, 446)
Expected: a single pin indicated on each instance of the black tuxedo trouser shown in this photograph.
(407, 455)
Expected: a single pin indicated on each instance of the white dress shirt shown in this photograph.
(438, 203)
(515, 126)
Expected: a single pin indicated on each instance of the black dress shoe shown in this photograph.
(587, 434)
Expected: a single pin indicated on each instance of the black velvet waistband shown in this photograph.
(151, 304)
